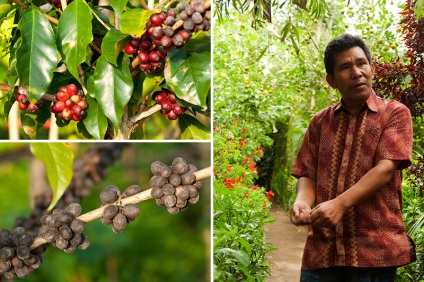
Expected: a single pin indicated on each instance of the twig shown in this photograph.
(95, 48)
(23, 90)
(145, 114)
(19, 3)
(144, 5)
(99, 19)
(160, 4)
(81, 76)
(135, 199)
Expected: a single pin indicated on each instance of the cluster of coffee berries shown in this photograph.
(163, 33)
(115, 213)
(63, 229)
(24, 103)
(175, 186)
(16, 258)
(169, 106)
(90, 169)
(70, 104)
(196, 15)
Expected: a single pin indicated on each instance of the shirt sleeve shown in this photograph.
(396, 139)
(307, 158)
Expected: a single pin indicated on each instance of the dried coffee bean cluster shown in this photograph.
(16, 258)
(163, 34)
(196, 15)
(63, 229)
(70, 103)
(169, 106)
(86, 171)
(115, 213)
(175, 186)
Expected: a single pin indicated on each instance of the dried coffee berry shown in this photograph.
(119, 223)
(131, 211)
(108, 196)
(110, 212)
(131, 190)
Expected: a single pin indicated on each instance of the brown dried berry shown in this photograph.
(192, 168)
(160, 169)
(194, 200)
(198, 184)
(23, 252)
(179, 167)
(181, 203)
(188, 24)
(77, 225)
(21, 272)
(131, 211)
(156, 193)
(158, 181)
(175, 179)
(132, 190)
(53, 221)
(106, 221)
(170, 200)
(168, 189)
(26, 240)
(76, 240)
(173, 210)
(61, 243)
(188, 178)
(119, 223)
(108, 196)
(17, 262)
(70, 249)
(192, 190)
(160, 201)
(5, 265)
(66, 233)
(85, 242)
(74, 208)
(48, 234)
(182, 192)
(7, 253)
(110, 211)
(66, 218)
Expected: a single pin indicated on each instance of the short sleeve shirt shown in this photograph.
(337, 150)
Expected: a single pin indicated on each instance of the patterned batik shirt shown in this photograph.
(337, 150)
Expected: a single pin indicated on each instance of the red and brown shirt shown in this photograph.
(337, 150)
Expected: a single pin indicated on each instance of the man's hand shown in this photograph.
(299, 213)
(327, 214)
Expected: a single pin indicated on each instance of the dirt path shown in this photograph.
(290, 240)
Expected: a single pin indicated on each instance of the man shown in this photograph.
(349, 176)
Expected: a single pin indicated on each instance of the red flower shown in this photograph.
(264, 206)
(253, 167)
(243, 131)
(229, 168)
(269, 194)
(246, 160)
(246, 195)
(255, 187)
(214, 127)
(259, 148)
(242, 144)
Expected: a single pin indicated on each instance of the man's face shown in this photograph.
(352, 76)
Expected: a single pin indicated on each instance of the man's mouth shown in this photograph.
(359, 85)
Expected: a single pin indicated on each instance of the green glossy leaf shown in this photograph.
(37, 55)
(113, 87)
(192, 129)
(29, 124)
(133, 22)
(118, 6)
(74, 34)
(58, 159)
(150, 83)
(95, 122)
(189, 75)
(112, 44)
(240, 256)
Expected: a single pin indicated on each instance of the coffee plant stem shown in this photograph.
(99, 19)
(135, 199)
(23, 90)
(160, 4)
(19, 3)
(144, 5)
(145, 114)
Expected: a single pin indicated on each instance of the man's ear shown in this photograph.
(330, 80)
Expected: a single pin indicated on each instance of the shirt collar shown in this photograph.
(371, 103)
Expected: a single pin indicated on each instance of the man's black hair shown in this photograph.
(340, 44)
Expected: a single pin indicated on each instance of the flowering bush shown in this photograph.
(241, 208)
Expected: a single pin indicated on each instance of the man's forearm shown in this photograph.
(306, 190)
(369, 184)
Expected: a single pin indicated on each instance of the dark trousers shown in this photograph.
(349, 274)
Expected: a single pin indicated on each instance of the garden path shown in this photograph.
(290, 240)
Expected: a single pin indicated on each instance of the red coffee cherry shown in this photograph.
(71, 89)
(129, 49)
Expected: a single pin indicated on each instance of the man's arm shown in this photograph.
(329, 213)
(305, 198)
